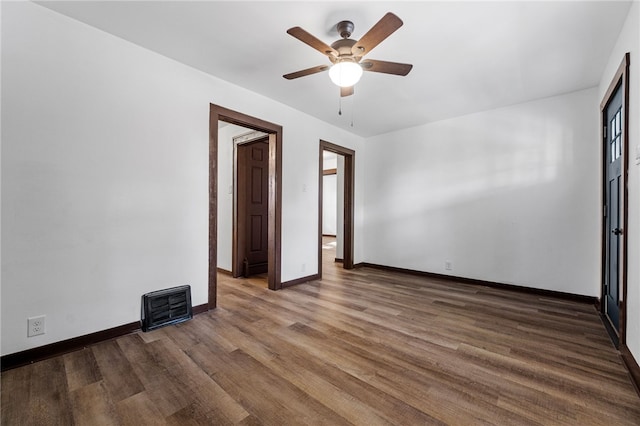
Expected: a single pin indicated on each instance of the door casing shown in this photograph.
(348, 213)
(218, 113)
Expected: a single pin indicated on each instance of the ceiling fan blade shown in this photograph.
(346, 91)
(381, 30)
(312, 41)
(308, 71)
(386, 67)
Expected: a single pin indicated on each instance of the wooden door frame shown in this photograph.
(218, 113)
(621, 77)
(348, 212)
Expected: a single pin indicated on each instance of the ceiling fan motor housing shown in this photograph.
(345, 28)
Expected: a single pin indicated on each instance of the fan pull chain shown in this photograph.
(340, 105)
(353, 107)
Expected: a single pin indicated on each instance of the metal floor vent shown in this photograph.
(165, 307)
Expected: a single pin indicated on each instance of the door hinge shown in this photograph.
(604, 210)
(604, 132)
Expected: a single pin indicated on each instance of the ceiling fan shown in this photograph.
(347, 54)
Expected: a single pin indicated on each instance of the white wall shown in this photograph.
(105, 176)
(330, 160)
(333, 203)
(329, 196)
(629, 41)
(329, 204)
(509, 195)
(226, 133)
(340, 207)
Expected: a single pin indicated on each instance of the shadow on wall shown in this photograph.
(514, 157)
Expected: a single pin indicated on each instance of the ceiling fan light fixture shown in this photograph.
(345, 73)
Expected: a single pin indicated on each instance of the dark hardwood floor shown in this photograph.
(360, 347)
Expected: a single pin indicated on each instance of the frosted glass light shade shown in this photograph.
(345, 74)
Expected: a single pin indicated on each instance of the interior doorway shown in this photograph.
(345, 182)
(332, 189)
(219, 114)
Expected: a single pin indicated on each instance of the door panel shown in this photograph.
(612, 285)
(255, 232)
(613, 177)
(253, 206)
(257, 178)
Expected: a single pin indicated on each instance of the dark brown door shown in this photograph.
(613, 178)
(253, 206)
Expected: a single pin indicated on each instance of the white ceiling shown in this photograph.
(467, 56)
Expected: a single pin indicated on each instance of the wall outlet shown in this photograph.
(35, 326)
(447, 265)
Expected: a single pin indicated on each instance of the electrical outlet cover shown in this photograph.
(35, 326)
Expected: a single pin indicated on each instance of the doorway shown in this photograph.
(615, 163)
(345, 202)
(274, 222)
(332, 189)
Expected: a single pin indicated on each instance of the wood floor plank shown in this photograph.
(82, 369)
(207, 360)
(121, 380)
(138, 410)
(246, 380)
(14, 388)
(37, 394)
(365, 347)
(197, 414)
(92, 404)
